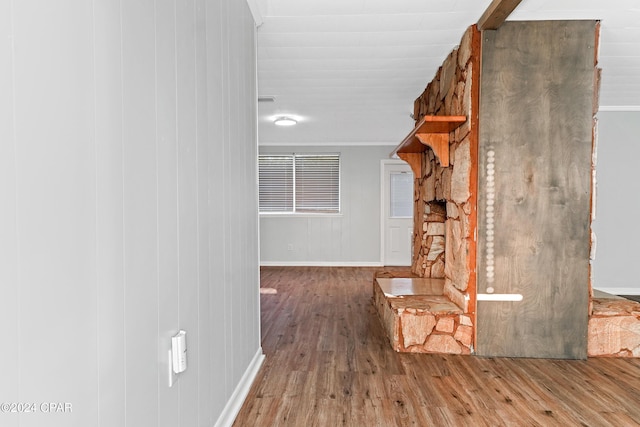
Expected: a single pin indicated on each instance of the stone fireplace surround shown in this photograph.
(445, 200)
(444, 220)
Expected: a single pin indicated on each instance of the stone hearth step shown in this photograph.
(423, 294)
(418, 318)
(614, 326)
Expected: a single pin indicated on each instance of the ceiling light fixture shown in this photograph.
(285, 121)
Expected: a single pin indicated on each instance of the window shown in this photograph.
(401, 195)
(299, 183)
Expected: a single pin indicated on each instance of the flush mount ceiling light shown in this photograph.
(285, 121)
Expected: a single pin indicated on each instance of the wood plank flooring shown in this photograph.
(328, 363)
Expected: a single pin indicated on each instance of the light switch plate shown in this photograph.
(179, 349)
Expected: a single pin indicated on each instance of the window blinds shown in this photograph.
(275, 178)
(300, 183)
(401, 195)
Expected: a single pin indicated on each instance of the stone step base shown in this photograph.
(418, 318)
(614, 327)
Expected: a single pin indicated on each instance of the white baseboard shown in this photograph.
(319, 264)
(231, 409)
(620, 291)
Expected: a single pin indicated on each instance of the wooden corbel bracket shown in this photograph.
(432, 132)
(439, 143)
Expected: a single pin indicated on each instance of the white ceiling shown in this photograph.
(349, 70)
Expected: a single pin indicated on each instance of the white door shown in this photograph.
(397, 212)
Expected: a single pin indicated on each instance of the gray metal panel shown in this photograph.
(537, 87)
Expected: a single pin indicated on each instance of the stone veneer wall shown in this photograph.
(614, 328)
(453, 91)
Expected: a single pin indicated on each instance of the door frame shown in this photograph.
(383, 164)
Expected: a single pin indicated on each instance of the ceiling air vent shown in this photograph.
(266, 99)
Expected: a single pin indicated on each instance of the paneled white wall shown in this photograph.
(127, 208)
(351, 238)
(617, 203)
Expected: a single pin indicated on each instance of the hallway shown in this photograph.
(329, 363)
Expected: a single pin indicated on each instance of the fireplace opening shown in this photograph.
(434, 238)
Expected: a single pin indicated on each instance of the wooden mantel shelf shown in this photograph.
(433, 132)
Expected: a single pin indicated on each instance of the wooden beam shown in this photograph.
(496, 14)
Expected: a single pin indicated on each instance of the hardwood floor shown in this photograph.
(328, 363)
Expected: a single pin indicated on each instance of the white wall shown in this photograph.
(617, 204)
(351, 238)
(127, 208)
